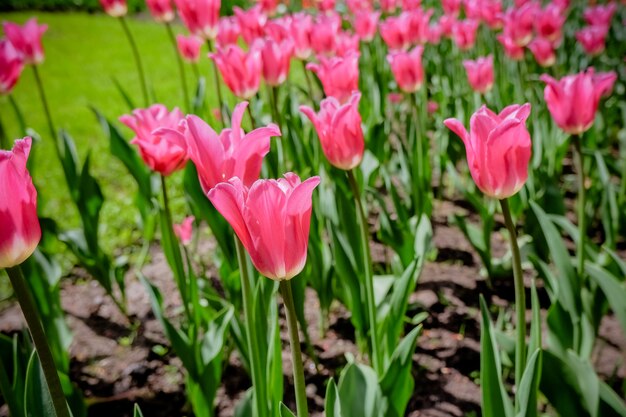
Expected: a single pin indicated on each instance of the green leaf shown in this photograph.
(37, 399)
(124, 94)
(137, 411)
(285, 411)
(611, 405)
(529, 385)
(613, 289)
(332, 404)
(359, 391)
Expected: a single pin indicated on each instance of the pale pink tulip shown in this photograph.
(407, 69)
(189, 47)
(11, 66)
(184, 230)
(201, 17)
(161, 10)
(26, 40)
(240, 70)
(339, 75)
(480, 73)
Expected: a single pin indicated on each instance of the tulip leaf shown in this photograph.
(527, 393)
(359, 391)
(332, 403)
(285, 411)
(137, 411)
(613, 289)
(124, 94)
(37, 398)
(611, 405)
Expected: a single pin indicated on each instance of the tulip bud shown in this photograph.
(201, 17)
(114, 8)
(26, 40)
(480, 73)
(240, 70)
(407, 69)
(189, 47)
(184, 230)
(11, 67)
(339, 75)
(161, 10)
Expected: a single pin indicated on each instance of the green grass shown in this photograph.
(83, 53)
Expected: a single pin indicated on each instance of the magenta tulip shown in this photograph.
(324, 33)
(11, 66)
(366, 24)
(189, 47)
(511, 49)
(201, 17)
(184, 230)
(19, 226)
(272, 219)
(114, 8)
(227, 31)
(480, 73)
(251, 23)
(600, 15)
(451, 7)
(276, 57)
(240, 70)
(419, 25)
(26, 40)
(549, 23)
(464, 34)
(498, 149)
(573, 100)
(407, 69)
(339, 75)
(301, 30)
(519, 23)
(395, 32)
(161, 10)
(592, 39)
(543, 51)
(339, 129)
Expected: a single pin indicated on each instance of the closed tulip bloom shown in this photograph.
(419, 25)
(227, 31)
(519, 23)
(276, 57)
(407, 69)
(464, 34)
(251, 23)
(339, 75)
(446, 23)
(395, 32)
(26, 40)
(232, 153)
(600, 15)
(11, 66)
(163, 154)
(592, 39)
(325, 5)
(272, 220)
(549, 23)
(543, 51)
(451, 7)
(366, 24)
(480, 73)
(346, 43)
(184, 230)
(301, 30)
(201, 17)
(408, 5)
(189, 47)
(161, 10)
(339, 129)
(388, 6)
(498, 149)
(240, 70)
(491, 13)
(114, 8)
(573, 100)
(324, 33)
(511, 49)
(279, 29)
(19, 226)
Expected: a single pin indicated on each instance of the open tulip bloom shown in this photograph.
(11, 66)
(26, 39)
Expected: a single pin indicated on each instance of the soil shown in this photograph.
(117, 365)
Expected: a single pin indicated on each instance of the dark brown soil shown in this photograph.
(115, 364)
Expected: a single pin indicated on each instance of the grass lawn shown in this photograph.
(83, 54)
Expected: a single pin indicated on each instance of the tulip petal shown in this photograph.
(228, 199)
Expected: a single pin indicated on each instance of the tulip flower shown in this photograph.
(543, 51)
(26, 40)
(600, 15)
(511, 49)
(268, 6)
(163, 154)
(592, 39)
(473, 9)
(339, 129)
(276, 57)
(346, 44)
(227, 31)
(240, 70)
(232, 153)
(409, 5)
(395, 32)
(549, 23)
(464, 34)
(357, 6)
(491, 13)
(519, 23)
(419, 25)
(11, 66)
(480, 73)
(324, 33)
(278, 29)
(301, 30)
(434, 34)
(451, 7)
(19, 226)
(407, 69)
(498, 149)
(272, 220)
(366, 24)
(339, 75)
(201, 17)
(251, 23)
(189, 47)
(161, 10)
(573, 100)
(114, 8)
(325, 5)
(446, 23)
(184, 230)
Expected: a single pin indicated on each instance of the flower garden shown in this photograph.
(330, 208)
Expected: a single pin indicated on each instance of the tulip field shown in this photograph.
(339, 208)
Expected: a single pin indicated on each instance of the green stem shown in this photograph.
(27, 303)
(142, 74)
(4, 138)
(181, 68)
(258, 383)
(582, 232)
(520, 296)
(18, 114)
(218, 87)
(369, 276)
(44, 102)
(307, 77)
(252, 120)
(296, 355)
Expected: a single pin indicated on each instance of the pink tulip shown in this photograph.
(19, 226)
(573, 100)
(276, 57)
(357, 6)
(492, 13)
(272, 219)
(543, 51)
(325, 5)
(324, 33)
(251, 23)
(26, 40)
(184, 230)
(388, 6)
(600, 15)
(592, 39)
(446, 23)
(279, 29)
(549, 23)
(189, 47)
(480, 73)
(366, 24)
(114, 8)
(464, 34)
(339, 129)
(394, 98)
(434, 34)
(395, 32)
(451, 7)
(498, 149)
(164, 154)
(407, 69)
(410, 5)
(346, 44)
(339, 75)
(511, 49)
(268, 6)
(473, 9)
(161, 10)
(227, 31)
(432, 107)
(419, 25)
(11, 66)
(519, 23)
(240, 70)
(201, 17)
(301, 30)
